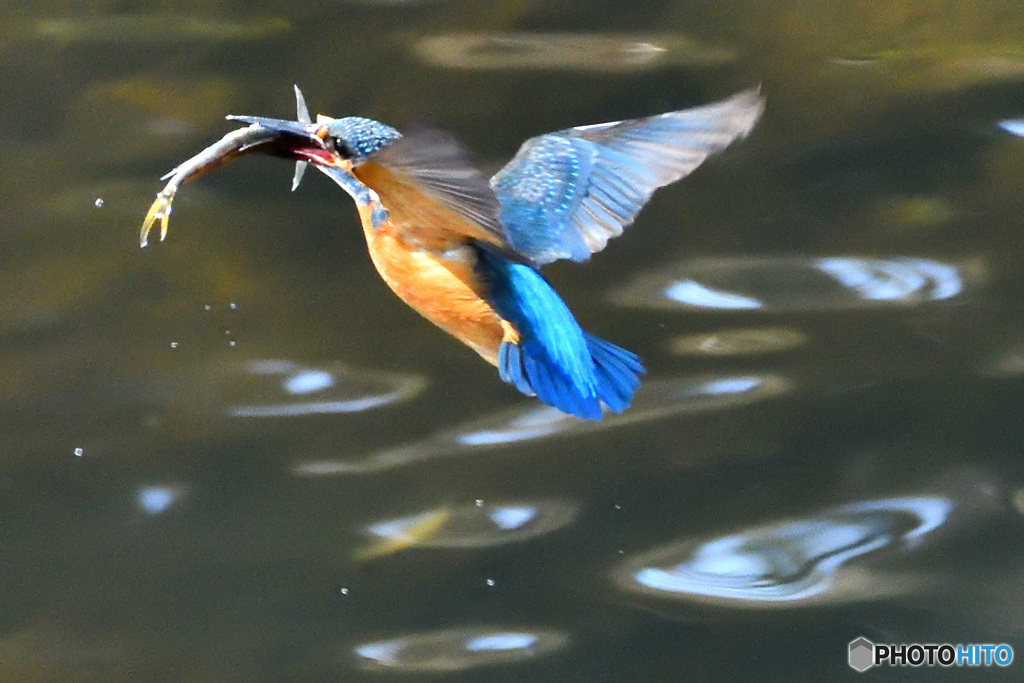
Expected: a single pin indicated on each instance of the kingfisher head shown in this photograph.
(354, 138)
(344, 142)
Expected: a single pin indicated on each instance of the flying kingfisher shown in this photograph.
(464, 252)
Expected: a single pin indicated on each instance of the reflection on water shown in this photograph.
(907, 280)
(141, 117)
(1006, 362)
(656, 399)
(581, 51)
(389, 3)
(397, 535)
(1015, 126)
(281, 388)
(474, 525)
(146, 27)
(459, 649)
(789, 564)
(914, 211)
(747, 341)
(149, 531)
(154, 500)
(946, 66)
(46, 293)
(795, 283)
(1018, 500)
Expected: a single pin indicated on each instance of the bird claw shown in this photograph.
(160, 210)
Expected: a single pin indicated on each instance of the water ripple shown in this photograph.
(155, 500)
(790, 563)
(656, 399)
(747, 341)
(797, 284)
(282, 388)
(578, 51)
(473, 525)
(459, 649)
(152, 28)
(1014, 126)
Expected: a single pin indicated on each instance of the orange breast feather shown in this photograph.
(423, 254)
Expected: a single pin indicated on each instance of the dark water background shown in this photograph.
(235, 456)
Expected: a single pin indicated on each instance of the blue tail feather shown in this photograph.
(510, 367)
(618, 372)
(536, 375)
(554, 359)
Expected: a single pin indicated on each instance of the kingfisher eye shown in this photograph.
(342, 148)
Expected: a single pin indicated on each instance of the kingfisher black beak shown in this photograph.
(301, 129)
(302, 141)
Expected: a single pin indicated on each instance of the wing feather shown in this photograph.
(439, 166)
(565, 194)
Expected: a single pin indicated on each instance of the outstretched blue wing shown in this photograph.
(565, 194)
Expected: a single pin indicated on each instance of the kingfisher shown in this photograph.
(465, 251)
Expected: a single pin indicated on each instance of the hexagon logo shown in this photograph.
(862, 654)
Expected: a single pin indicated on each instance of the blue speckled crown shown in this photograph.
(362, 136)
